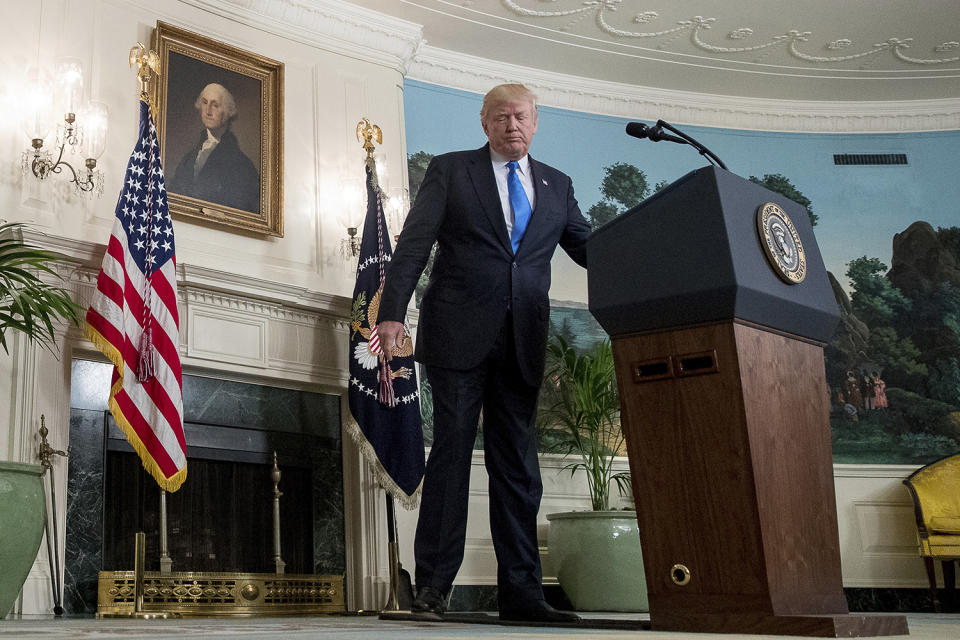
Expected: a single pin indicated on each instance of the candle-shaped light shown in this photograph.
(93, 119)
(69, 78)
(37, 107)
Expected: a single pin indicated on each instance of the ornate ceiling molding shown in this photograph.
(470, 73)
(793, 41)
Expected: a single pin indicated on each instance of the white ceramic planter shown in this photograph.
(598, 561)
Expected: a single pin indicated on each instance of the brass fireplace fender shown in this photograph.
(191, 593)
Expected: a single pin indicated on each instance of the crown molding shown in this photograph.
(332, 25)
(474, 74)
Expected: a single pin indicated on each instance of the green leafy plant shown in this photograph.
(582, 415)
(27, 303)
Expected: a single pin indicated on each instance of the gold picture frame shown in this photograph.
(220, 124)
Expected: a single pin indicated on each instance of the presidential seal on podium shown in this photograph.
(781, 243)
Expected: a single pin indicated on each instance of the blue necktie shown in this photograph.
(519, 203)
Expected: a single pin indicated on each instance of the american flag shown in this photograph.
(133, 317)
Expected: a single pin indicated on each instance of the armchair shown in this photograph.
(935, 490)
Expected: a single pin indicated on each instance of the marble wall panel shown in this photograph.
(84, 532)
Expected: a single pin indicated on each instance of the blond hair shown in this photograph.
(506, 93)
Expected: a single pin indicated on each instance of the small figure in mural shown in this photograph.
(879, 392)
(836, 399)
(853, 394)
(850, 413)
(866, 390)
(215, 169)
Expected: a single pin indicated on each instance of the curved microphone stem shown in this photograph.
(706, 153)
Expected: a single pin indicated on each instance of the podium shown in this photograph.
(718, 306)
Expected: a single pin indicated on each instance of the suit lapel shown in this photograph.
(485, 184)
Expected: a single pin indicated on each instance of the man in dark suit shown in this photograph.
(215, 169)
(497, 216)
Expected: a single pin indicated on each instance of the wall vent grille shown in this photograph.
(869, 158)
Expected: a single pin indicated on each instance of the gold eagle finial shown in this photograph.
(366, 134)
(146, 61)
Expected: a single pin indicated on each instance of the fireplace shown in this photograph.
(221, 519)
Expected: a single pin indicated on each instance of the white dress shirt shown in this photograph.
(500, 171)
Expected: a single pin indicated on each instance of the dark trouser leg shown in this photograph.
(441, 528)
(515, 487)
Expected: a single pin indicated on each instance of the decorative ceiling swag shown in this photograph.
(791, 39)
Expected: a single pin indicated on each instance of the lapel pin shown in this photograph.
(545, 183)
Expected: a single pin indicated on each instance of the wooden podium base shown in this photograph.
(728, 434)
(819, 626)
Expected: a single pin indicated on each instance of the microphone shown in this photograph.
(654, 133)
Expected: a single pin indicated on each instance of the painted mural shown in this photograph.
(886, 219)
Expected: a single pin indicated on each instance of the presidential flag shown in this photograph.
(133, 317)
(384, 397)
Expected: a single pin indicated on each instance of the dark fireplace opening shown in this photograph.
(221, 519)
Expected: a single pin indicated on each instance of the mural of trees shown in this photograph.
(623, 187)
(893, 366)
(901, 326)
(417, 164)
(780, 184)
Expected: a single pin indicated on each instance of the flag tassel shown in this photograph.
(145, 368)
(387, 398)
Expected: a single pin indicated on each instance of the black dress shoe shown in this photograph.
(430, 604)
(537, 611)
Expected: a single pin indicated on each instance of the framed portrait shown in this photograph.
(219, 113)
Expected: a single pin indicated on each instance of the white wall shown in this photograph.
(878, 531)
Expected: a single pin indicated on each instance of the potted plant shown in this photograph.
(33, 307)
(596, 554)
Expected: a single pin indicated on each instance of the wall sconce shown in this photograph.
(396, 208)
(350, 246)
(352, 196)
(83, 130)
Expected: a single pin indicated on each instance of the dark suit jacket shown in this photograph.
(476, 277)
(227, 178)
